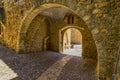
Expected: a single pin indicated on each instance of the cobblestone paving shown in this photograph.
(54, 71)
(76, 51)
(45, 66)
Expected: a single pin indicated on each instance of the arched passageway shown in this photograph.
(97, 14)
(72, 42)
(41, 30)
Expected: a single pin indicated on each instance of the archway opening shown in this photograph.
(40, 30)
(72, 42)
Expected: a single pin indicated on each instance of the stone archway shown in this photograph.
(89, 48)
(28, 19)
(88, 41)
(62, 32)
(98, 17)
(70, 37)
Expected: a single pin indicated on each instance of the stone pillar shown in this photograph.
(106, 34)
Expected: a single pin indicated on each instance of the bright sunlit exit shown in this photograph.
(72, 42)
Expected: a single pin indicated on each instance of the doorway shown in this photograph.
(72, 42)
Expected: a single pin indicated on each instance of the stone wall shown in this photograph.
(101, 16)
(106, 32)
(76, 36)
(56, 41)
(36, 35)
(67, 40)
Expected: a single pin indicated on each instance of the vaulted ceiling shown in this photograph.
(56, 14)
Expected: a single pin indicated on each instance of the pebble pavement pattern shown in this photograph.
(45, 66)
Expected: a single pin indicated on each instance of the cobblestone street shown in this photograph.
(76, 51)
(45, 66)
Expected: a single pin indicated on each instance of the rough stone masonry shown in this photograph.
(100, 20)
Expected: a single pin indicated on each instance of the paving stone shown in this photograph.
(45, 66)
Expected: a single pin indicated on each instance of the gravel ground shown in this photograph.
(45, 66)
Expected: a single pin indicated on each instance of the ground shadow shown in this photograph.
(28, 66)
(79, 69)
(34, 65)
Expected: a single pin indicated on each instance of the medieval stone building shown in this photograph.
(40, 25)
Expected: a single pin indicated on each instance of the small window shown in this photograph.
(15, 0)
(70, 19)
(22, 12)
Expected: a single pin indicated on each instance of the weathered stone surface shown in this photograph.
(103, 4)
(103, 23)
